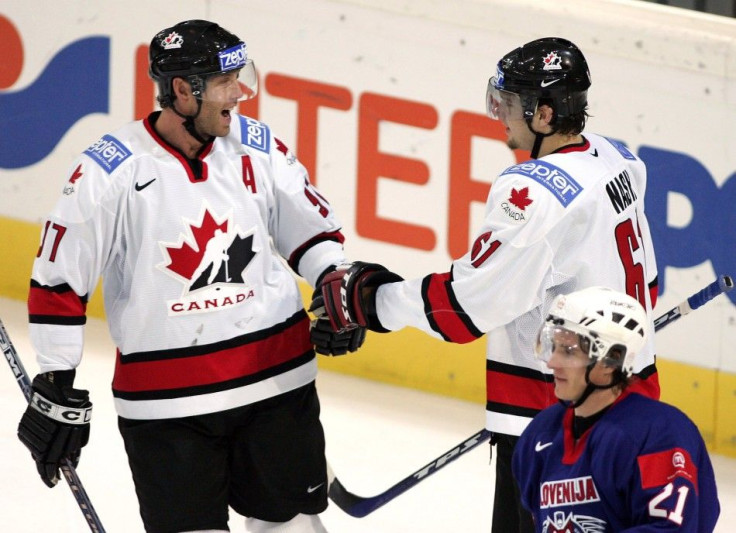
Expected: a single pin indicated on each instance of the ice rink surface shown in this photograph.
(376, 436)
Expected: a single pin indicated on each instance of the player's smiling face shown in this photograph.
(220, 97)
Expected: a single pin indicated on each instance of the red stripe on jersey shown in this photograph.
(215, 367)
(653, 292)
(519, 391)
(659, 469)
(581, 147)
(297, 255)
(648, 386)
(46, 301)
(442, 312)
(204, 151)
(573, 449)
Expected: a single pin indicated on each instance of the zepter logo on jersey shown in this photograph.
(561, 184)
(210, 259)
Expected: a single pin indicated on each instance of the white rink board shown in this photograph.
(663, 82)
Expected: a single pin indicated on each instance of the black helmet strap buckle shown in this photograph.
(197, 85)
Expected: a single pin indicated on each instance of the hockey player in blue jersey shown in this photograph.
(606, 458)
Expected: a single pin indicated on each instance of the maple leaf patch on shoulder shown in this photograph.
(520, 198)
(516, 206)
(76, 175)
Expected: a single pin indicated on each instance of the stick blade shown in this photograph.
(350, 503)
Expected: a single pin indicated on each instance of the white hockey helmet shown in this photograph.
(611, 325)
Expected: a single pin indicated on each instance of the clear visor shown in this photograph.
(233, 86)
(565, 346)
(502, 105)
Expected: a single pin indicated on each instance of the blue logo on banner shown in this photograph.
(68, 92)
(108, 152)
(559, 182)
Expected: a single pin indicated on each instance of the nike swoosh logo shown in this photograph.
(545, 83)
(539, 446)
(139, 187)
(595, 152)
(310, 489)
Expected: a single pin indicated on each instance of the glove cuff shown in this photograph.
(61, 413)
(371, 282)
(60, 378)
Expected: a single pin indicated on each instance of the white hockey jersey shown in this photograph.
(204, 312)
(569, 220)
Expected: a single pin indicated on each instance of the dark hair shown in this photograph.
(616, 356)
(571, 124)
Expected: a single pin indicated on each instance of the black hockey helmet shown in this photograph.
(551, 68)
(193, 50)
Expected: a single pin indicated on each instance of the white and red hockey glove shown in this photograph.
(348, 296)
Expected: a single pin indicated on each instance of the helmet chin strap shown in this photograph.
(189, 123)
(591, 387)
(197, 87)
(538, 138)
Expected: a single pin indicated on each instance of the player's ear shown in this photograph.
(545, 114)
(181, 89)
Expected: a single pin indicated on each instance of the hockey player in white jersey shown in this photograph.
(571, 217)
(606, 458)
(184, 215)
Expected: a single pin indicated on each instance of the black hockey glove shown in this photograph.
(348, 296)
(329, 342)
(55, 425)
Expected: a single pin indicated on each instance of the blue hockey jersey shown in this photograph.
(642, 467)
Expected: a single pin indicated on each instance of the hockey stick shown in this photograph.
(360, 506)
(67, 468)
(722, 285)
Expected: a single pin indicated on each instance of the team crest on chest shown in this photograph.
(210, 259)
(560, 522)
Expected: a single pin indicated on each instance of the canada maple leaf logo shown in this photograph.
(552, 61)
(185, 259)
(76, 174)
(214, 251)
(520, 198)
